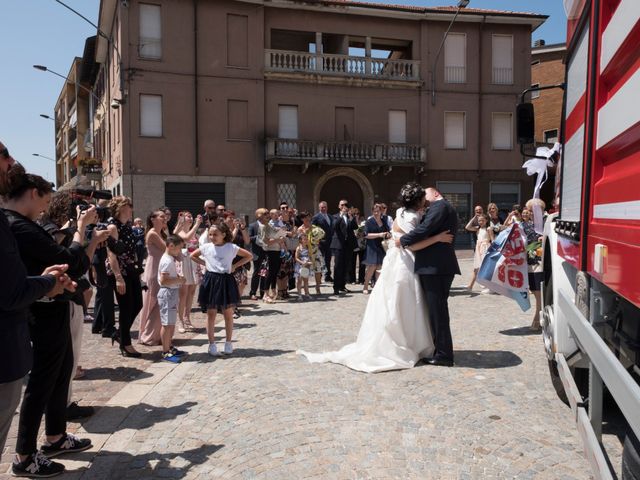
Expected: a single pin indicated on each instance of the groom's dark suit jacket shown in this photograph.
(439, 258)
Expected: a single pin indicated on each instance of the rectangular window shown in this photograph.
(454, 130)
(150, 115)
(501, 131)
(397, 126)
(345, 124)
(287, 193)
(551, 136)
(150, 40)
(535, 93)
(455, 58)
(502, 59)
(237, 40)
(504, 195)
(238, 120)
(288, 121)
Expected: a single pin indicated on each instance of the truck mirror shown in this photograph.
(525, 123)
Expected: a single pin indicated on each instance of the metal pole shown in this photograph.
(435, 62)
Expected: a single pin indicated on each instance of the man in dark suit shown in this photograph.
(343, 243)
(325, 221)
(436, 265)
(258, 257)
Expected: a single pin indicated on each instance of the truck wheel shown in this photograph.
(556, 381)
(631, 458)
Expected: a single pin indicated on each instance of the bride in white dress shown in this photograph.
(395, 331)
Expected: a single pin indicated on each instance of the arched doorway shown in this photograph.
(338, 188)
(344, 182)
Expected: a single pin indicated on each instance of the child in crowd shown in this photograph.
(168, 296)
(485, 237)
(219, 290)
(303, 268)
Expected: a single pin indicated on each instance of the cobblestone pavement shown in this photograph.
(265, 412)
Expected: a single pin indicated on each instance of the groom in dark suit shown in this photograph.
(436, 265)
(343, 243)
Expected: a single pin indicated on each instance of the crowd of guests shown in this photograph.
(484, 229)
(57, 249)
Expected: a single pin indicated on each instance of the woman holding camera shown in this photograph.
(124, 273)
(155, 245)
(47, 389)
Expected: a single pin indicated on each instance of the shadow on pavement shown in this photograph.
(486, 359)
(118, 374)
(142, 415)
(265, 313)
(204, 357)
(519, 331)
(107, 465)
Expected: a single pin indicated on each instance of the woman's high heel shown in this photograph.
(115, 337)
(128, 354)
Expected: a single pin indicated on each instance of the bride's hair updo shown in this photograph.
(411, 196)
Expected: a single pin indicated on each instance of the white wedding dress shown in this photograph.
(395, 331)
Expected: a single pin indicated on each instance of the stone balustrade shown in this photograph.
(341, 65)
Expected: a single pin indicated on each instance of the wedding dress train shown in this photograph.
(395, 331)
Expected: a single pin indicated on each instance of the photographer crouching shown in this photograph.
(48, 385)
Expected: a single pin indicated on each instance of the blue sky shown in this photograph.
(43, 32)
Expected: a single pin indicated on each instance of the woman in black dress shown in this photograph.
(123, 271)
(376, 230)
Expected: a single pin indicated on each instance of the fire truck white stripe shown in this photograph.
(618, 211)
(625, 17)
(620, 112)
(577, 74)
(572, 182)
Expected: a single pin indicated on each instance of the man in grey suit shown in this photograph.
(436, 266)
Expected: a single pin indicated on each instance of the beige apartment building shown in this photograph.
(251, 102)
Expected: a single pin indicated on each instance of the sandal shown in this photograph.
(268, 299)
(80, 373)
(365, 292)
(188, 326)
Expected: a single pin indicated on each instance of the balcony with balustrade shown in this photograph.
(336, 58)
(305, 153)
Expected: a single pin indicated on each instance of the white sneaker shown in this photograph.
(213, 350)
(228, 348)
(485, 291)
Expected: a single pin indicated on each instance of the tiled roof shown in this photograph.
(417, 9)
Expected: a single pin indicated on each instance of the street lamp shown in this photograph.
(461, 4)
(47, 117)
(109, 39)
(44, 156)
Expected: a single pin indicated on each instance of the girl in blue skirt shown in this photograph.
(219, 290)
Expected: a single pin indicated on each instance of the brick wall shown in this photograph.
(548, 107)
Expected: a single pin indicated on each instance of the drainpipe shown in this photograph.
(195, 89)
(481, 60)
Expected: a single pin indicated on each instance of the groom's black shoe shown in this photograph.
(345, 290)
(440, 362)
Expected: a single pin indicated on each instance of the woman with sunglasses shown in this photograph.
(123, 273)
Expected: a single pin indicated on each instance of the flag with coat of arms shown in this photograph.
(504, 267)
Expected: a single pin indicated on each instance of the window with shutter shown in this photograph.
(455, 56)
(288, 121)
(150, 115)
(150, 40)
(397, 126)
(454, 130)
(501, 131)
(502, 59)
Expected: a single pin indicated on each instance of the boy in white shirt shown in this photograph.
(168, 296)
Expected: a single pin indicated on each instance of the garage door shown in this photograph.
(191, 196)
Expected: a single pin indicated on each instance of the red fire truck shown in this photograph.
(591, 291)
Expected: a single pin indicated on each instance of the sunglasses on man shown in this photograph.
(5, 153)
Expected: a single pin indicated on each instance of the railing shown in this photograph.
(344, 152)
(455, 74)
(502, 76)
(341, 65)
